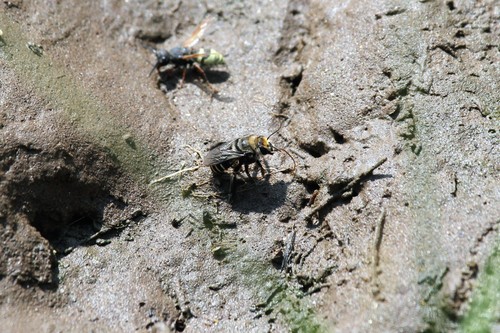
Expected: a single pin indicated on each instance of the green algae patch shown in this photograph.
(289, 303)
(60, 89)
(484, 310)
(278, 298)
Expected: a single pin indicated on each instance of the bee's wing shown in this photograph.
(197, 33)
(220, 153)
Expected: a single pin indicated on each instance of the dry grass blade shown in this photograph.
(172, 175)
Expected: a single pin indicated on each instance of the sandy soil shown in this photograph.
(389, 222)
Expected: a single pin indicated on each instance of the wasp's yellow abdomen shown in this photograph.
(210, 57)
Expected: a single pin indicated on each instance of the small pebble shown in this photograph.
(102, 242)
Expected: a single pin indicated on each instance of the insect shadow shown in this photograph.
(259, 196)
(171, 79)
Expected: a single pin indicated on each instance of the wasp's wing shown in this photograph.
(222, 152)
(193, 56)
(197, 33)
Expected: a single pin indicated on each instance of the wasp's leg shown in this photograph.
(166, 74)
(202, 72)
(170, 71)
(184, 70)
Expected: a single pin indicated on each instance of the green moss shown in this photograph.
(275, 296)
(61, 90)
(279, 299)
(484, 310)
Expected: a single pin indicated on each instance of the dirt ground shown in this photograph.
(389, 222)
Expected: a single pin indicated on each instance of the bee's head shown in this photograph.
(265, 146)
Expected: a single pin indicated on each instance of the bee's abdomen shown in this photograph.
(222, 167)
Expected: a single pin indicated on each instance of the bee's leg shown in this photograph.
(231, 186)
(202, 72)
(236, 171)
(248, 173)
(262, 170)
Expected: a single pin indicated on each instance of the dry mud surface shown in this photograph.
(389, 223)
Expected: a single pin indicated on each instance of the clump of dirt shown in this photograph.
(26, 257)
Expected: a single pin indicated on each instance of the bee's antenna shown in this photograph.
(281, 125)
(290, 155)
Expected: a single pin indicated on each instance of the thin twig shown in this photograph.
(379, 231)
(313, 197)
(298, 153)
(164, 178)
(287, 255)
(317, 288)
(196, 151)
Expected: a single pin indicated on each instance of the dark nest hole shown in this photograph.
(67, 199)
(291, 81)
(316, 149)
(70, 214)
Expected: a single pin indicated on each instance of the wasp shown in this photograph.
(186, 56)
(239, 153)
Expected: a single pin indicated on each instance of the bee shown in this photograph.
(239, 153)
(186, 56)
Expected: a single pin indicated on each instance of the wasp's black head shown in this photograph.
(163, 57)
